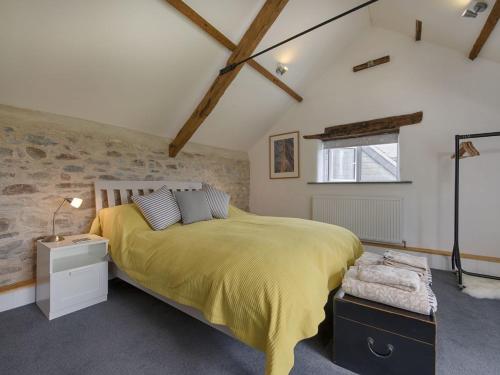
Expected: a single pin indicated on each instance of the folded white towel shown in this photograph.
(386, 275)
(411, 261)
(423, 301)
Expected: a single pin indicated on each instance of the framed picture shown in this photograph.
(284, 155)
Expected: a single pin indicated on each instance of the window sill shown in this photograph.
(361, 183)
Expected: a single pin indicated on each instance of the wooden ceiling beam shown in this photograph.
(488, 27)
(372, 63)
(206, 26)
(252, 37)
(418, 31)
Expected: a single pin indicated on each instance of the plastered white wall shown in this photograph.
(456, 96)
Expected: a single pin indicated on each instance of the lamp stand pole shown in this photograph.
(55, 237)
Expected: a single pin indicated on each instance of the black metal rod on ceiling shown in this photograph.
(234, 65)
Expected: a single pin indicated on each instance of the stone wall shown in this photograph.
(44, 157)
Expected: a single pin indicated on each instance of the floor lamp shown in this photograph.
(464, 150)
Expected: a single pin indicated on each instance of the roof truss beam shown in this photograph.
(488, 27)
(252, 37)
(206, 26)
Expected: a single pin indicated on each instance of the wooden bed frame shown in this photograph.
(115, 193)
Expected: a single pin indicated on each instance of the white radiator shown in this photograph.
(370, 218)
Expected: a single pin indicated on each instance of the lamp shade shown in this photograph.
(75, 202)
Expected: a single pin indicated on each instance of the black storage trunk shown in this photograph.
(372, 338)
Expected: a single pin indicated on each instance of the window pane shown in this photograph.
(342, 164)
(379, 162)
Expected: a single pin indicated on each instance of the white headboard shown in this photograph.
(115, 193)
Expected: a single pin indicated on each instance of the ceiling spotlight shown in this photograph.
(281, 69)
(477, 7)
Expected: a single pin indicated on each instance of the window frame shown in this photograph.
(326, 169)
(329, 167)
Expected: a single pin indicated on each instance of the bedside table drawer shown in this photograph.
(368, 350)
(76, 286)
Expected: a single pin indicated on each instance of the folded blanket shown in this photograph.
(372, 259)
(369, 259)
(421, 273)
(411, 261)
(396, 277)
(423, 301)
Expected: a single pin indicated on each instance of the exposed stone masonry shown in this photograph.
(44, 157)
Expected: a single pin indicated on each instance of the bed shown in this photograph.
(263, 280)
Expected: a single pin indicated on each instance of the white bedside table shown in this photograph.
(71, 275)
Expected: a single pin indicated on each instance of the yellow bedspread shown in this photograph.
(266, 278)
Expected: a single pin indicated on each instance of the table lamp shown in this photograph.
(74, 202)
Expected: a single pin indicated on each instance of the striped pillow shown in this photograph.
(218, 201)
(159, 208)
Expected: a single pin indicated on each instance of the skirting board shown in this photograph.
(25, 295)
(17, 297)
(443, 262)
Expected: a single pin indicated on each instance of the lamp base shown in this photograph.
(53, 238)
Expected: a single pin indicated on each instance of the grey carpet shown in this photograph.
(133, 333)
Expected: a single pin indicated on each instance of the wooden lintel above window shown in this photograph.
(379, 126)
(327, 137)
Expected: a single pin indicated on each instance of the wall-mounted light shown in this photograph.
(476, 8)
(281, 69)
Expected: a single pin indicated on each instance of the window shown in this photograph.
(368, 159)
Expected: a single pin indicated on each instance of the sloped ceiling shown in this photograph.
(442, 23)
(142, 65)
